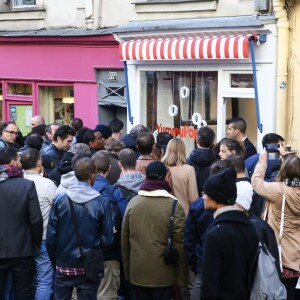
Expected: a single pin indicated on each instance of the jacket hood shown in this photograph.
(81, 193)
(68, 179)
(202, 157)
(132, 181)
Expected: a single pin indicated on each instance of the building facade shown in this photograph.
(56, 61)
(180, 68)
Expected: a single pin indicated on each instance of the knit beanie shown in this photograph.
(221, 186)
(105, 130)
(156, 170)
(244, 194)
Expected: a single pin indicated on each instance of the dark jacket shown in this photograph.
(63, 167)
(230, 247)
(21, 219)
(197, 223)
(249, 148)
(201, 159)
(94, 220)
(251, 162)
(53, 151)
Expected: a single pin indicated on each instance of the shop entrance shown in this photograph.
(243, 108)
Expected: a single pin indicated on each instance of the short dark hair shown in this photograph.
(63, 132)
(145, 142)
(8, 154)
(219, 165)
(205, 137)
(84, 168)
(48, 127)
(89, 136)
(102, 161)
(271, 138)
(40, 129)
(34, 140)
(137, 129)
(79, 156)
(127, 158)
(116, 125)
(4, 126)
(80, 134)
(237, 162)
(76, 123)
(29, 158)
(163, 138)
(239, 123)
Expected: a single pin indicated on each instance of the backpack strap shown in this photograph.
(123, 187)
(172, 217)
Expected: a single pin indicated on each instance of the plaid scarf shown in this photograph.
(9, 171)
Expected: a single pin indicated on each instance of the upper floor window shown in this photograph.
(22, 2)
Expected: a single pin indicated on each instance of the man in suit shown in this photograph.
(237, 130)
(21, 225)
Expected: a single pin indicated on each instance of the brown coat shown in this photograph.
(184, 185)
(273, 192)
(142, 162)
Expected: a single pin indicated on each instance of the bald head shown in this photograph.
(37, 120)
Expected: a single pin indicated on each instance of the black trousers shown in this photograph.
(22, 272)
(146, 293)
(290, 284)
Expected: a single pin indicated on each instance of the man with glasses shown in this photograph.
(10, 132)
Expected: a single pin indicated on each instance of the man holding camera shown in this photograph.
(271, 142)
(145, 235)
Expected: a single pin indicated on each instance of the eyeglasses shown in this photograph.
(11, 132)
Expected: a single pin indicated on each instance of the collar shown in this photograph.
(156, 193)
(224, 209)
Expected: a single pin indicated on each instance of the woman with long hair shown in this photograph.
(183, 175)
(286, 187)
(230, 146)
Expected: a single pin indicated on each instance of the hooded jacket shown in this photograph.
(273, 192)
(95, 225)
(201, 159)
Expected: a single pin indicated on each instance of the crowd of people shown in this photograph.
(170, 225)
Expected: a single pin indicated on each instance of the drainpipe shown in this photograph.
(282, 65)
(89, 17)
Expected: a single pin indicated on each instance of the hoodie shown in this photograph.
(66, 181)
(132, 181)
(201, 159)
(81, 192)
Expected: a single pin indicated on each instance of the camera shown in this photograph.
(272, 151)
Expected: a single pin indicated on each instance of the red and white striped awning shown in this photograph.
(213, 47)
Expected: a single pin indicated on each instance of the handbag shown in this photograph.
(93, 262)
(171, 253)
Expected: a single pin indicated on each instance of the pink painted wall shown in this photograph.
(52, 62)
(86, 104)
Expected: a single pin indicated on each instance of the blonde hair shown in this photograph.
(175, 153)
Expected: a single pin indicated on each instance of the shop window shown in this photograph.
(175, 98)
(56, 104)
(19, 89)
(241, 80)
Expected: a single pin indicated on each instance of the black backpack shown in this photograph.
(116, 216)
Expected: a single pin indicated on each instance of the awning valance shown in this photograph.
(211, 47)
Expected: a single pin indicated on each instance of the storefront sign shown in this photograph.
(182, 132)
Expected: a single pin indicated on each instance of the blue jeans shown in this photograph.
(196, 289)
(64, 285)
(44, 274)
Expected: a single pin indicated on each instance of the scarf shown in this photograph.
(11, 171)
(153, 185)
